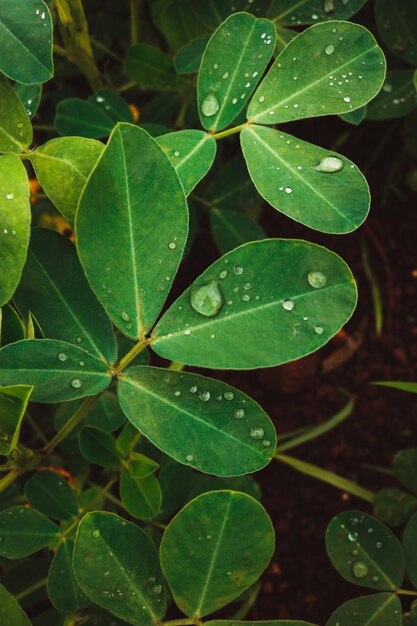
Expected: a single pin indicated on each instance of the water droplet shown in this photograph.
(329, 49)
(223, 274)
(234, 100)
(177, 153)
(246, 297)
(172, 245)
(204, 396)
(62, 356)
(319, 330)
(96, 533)
(359, 569)
(207, 299)
(210, 105)
(329, 165)
(238, 270)
(288, 190)
(81, 363)
(125, 316)
(193, 389)
(76, 383)
(157, 588)
(187, 331)
(228, 395)
(261, 99)
(239, 413)
(257, 433)
(225, 76)
(79, 339)
(387, 88)
(288, 305)
(316, 279)
(346, 99)
(266, 443)
(328, 6)
(10, 196)
(189, 458)
(177, 393)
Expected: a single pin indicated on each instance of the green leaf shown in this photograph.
(15, 223)
(113, 105)
(179, 23)
(26, 41)
(125, 216)
(409, 387)
(283, 38)
(279, 622)
(355, 117)
(394, 506)
(212, 12)
(396, 21)
(191, 152)
(65, 158)
(116, 565)
(99, 447)
(397, 98)
(364, 551)
(15, 128)
(232, 65)
(296, 12)
(105, 414)
(81, 117)
(233, 187)
(11, 326)
(63, 590)
(141, 497)
(201, 422)
(13, 404)
(24, 531)
(405, 468)
(51, 494)
(381, 609)
(30, 95)
(325, 55)
(140, 465)
(10, 610)
(151, 68)
(188, 58)
(232, 228)
(55, 290)
(176, 481)
(58, 370)
(319, 188)
(410, 552)
(230, 536)
(203, 483)
(257, 325)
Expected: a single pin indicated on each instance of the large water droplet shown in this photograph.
(76, 383)
(207, 299)
(288, 305)
(239, 413)
(228, 395)
(329, 49)
(329, 165)
(96, 533)
(359, 569)
(316, 279)
(257, 433)
(62, 356)
(10, 196)
(210, 105)
(204, 396)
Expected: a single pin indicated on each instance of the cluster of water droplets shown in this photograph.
(6, 231)
(361, 565)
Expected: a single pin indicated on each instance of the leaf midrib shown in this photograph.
(19, 41)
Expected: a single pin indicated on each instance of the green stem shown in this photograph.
(31, 589)
(100, 46)
(61, 51)
(36, 428)
(406, 592)
(45, 127)
(183, 622)
(7, 480)
(128, 358)
(127, 86)
(326, 476)
(72, 423)
(202, 201)
(230, 131)
(134, 21)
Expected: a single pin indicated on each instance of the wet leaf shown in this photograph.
(50, 494)
(141, 497)
(397, 98)
(382, 609)
(63, 590)
(13, 404)
(81, 117)
(296, 12)
(397, 20)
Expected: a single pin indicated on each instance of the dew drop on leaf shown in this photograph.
(359, 569)
(62, 356)
(288, 305)
(204, 396)
(316, 279)
(207, 299)
(76, 383)
(318, 330)
(96, 533)
(239, 413)
(329, 49)
(228, 395)
(210, 105)
(257, 433)
(329, 165)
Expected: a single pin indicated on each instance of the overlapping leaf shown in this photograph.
(13, 403)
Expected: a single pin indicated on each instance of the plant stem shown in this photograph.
(128, 358)
(31, 589)
(230, 131)
(45, 127)
(183, 622)
(7, 480)
(100, 46)
(126, 86)
(134, 21)
(326, 476)
(36, 428)
(74, 32)
(72, 423)
(406, 592)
